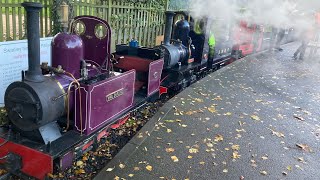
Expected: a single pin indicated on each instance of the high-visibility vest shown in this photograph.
(212, 40)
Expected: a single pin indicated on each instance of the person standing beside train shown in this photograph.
(308, 34)
(277, 35)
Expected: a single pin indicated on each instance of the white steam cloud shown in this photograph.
(298, 14)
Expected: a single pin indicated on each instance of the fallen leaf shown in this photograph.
(169, 130)
(297, 166)
(198, 100)
(169, 150)
(202, 163)
(259, 100)
(240, 130)
(170, 121)
(49, 174)
(304, 147)
(122, 166)
(228, 114)
(189, 157)
(110, 169)
(116, 178)
(149, 168)
(131, 175)
(279, 134)
(212, 109)
(235, 155)
(216, 125)
(235, 147)
(264, 157)
(263, 172)
(193, 150)
(189, 113)
(210, 145)
(289, 168)
(225, 170)
(79, 163)
(298, 117)
(84, 158)
(136, 168)
(174, 158)
(256, 118)
(300, 159)
(80, 171)
(218, 138)
(241, 123)
(184, 125)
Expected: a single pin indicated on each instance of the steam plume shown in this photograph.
(298, 14)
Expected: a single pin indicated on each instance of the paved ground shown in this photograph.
(255, 119)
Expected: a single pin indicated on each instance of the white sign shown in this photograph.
(14, 60)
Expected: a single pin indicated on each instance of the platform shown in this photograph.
(257, 118)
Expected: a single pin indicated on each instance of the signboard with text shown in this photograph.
(14, 60)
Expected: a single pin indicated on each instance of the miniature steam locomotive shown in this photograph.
(58, 112)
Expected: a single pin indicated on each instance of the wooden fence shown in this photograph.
(12, 19)
(128, 20)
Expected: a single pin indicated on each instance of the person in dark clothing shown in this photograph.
(307, 35)
(276, 38)
(301, 50)
(280, 36)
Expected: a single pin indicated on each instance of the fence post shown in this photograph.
(109, 11)
(167, 5)
(55, 17)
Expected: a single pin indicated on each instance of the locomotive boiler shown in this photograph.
(177, 50)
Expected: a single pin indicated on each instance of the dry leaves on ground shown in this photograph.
(149, 168)
(304, 147)
(169, 150)
(174, 158)
(193, 150)
(255, 117)
(218, 138)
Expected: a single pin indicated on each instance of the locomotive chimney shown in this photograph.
(168, 27)
(34, 73)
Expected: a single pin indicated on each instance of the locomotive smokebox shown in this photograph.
(173, 53)
(34, 73)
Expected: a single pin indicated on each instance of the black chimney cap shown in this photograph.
(32, 4)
